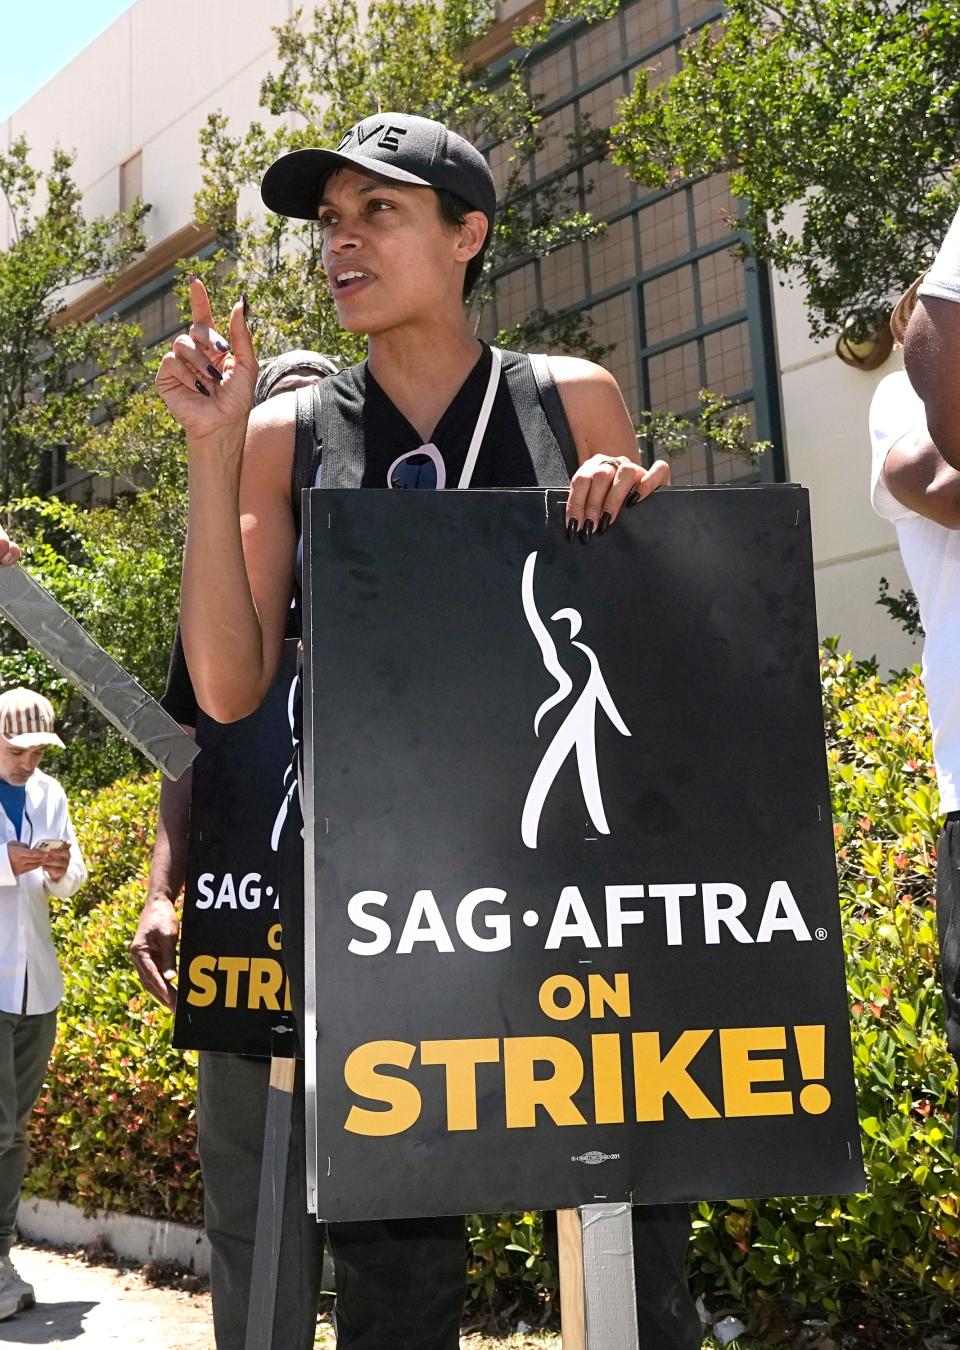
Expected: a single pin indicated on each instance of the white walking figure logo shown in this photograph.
(578, 730)
(290, 781)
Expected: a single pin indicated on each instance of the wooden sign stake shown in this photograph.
(598, 1295)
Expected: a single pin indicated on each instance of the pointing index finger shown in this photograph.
(200, 311)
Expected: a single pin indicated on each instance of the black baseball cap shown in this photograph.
(396, 146)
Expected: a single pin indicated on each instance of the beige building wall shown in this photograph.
(146, 85)
(825, 407)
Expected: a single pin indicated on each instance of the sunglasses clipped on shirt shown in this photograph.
(423, 468)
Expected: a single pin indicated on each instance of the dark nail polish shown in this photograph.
(222, 346)
(194, 277)
(604, 523)
(586, 532)
(572, 526)
(633, 498)
(246, 307)
(212, 370)
(202, 389)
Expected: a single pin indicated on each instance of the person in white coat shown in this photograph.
(39, 857)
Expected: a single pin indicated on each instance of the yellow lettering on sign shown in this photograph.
(525, 1092)
(740, 1071)
(273, 937)
(607, 1079)
(614, 996)
(233, 967)
(460, 1059)
(656, 1076)
(401, 1098)
(266, 977)
(203, 986)
(562, 1012)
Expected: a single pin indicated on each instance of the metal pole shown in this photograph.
(273, 1185)
(598, 1294)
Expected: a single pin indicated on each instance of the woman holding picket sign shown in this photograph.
(406, 208)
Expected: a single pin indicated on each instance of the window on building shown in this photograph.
(131, 180)
(661, 284)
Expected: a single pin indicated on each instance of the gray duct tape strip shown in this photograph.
(48, 627)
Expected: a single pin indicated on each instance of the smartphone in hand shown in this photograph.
(47, 845)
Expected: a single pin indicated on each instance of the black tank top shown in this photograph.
(361, 406)
(349, 432)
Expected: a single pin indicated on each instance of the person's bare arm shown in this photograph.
(239, 556)
(154, 946)
(610, 474)
(920, 478)
(9, 551)
(932, 358)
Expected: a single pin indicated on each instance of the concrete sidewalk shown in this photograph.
(101, 1307)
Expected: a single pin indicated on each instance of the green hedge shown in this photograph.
(890, 1255)
(115, 1126)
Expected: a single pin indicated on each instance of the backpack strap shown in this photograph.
(307, 448)
(344, 455)
(556, 413)
(539, 437)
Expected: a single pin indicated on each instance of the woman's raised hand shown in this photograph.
(206, 381)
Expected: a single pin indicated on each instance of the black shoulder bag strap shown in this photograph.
(307, 448)
(543, 420)
(556, 413)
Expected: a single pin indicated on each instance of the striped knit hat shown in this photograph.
(26, 719)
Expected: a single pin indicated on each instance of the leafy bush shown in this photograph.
(114, 1126)
(890, 1255)
(108, 568)
(115, 829)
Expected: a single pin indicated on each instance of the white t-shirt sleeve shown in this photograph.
(943, 279)
(896, 409)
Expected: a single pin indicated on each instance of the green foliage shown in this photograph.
(889, 1255)
(109, 568)
(114, 1126)
(333, 71)
(55, 378)
(849, 106)
(718, 427)
(507, 1263)
(115, 830)
(902, 608)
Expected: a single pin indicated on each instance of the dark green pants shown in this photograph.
(25, 1045)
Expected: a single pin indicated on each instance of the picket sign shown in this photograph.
(598, 1300)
